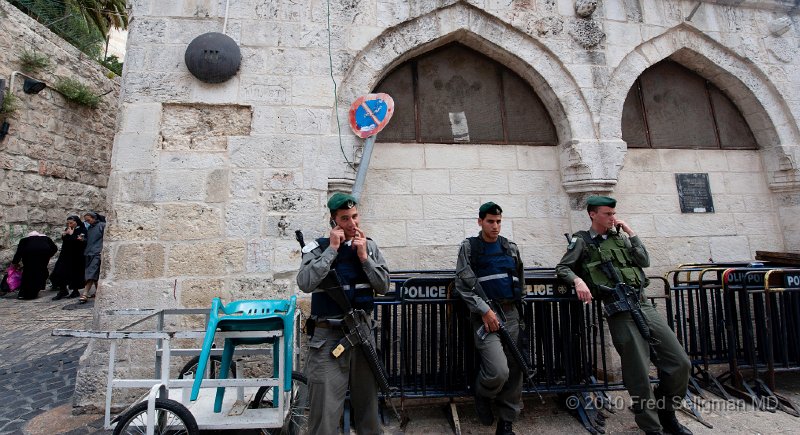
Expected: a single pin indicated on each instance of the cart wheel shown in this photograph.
(171, 418)
(215, 362)
(296, 422)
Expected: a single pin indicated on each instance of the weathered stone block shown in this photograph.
(450, 206)
(183, 185)
(134, 151)
(483, 182)
(294, 202)
(190, 222)
(243, 219)
(133, 222)
(533, 182)
(386, 232)
(265, 151)
(138, 261)
(393, 155)
(452, 156)
(436, 232)
(198, 293)
(287, 256)
(430, 181)
(728, 249)
(385, 181)
(206, 258)
(245, 183)
(391, 207)
(259, 256)
(202, 126)
(282, 179)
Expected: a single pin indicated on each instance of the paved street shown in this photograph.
(37, 376)
(37, 370)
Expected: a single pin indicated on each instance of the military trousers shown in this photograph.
(328, 379)
(672, 363)
(499, 377)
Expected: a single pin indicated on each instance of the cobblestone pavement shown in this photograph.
(37, 370)
(37, 376)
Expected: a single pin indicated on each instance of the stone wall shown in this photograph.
(56, 158)
(209, 182)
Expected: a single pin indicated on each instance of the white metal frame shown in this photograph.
(235, 413)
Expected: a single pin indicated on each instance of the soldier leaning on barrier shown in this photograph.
(363, 271)
(491, 263)
(597, 258)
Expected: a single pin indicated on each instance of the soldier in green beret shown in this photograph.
(581, 265)
(363, 272)
(492, 263)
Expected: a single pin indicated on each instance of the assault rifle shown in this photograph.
(626, 298)
(357, 332)
(509, 343)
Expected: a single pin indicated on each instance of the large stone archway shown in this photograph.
(529, 182)
(520, 52)
(761, 104)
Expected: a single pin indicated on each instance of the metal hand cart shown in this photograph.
(259, 403)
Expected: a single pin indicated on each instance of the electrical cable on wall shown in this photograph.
(225, 23)
(335, 97)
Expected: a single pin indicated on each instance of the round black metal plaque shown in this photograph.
(213, 57)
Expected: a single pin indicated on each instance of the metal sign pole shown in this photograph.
(358, 186)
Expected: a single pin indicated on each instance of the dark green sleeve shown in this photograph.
(570, 262)
(639, 253)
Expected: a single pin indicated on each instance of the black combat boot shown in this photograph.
(483, 407)
(670, 424)
(504, 428)
(74, 294)
(62, 293)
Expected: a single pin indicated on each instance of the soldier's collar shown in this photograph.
(593, 233)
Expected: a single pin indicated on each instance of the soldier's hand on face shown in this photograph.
(625, 227)
(583, 291)
(360, 245)
(337, 237)
(490, 321)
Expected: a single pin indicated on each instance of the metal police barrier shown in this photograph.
(782, 288)
(756, 325)
(695, 311)
(725, 314)
(427, 343)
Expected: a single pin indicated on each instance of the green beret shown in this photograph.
(489, 208)
(341, 201)
(601, 201)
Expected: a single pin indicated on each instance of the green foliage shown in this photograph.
(33, 62)
(77, 92)
(10, 104)
(83, 23)
(112, 62)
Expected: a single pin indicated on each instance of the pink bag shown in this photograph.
(14, 277)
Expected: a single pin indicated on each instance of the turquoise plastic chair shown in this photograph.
(266, 315)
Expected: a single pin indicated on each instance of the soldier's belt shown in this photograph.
(329, 323)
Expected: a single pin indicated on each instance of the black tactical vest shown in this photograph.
(353, 278)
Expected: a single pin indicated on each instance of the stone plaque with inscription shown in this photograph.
(694, 193)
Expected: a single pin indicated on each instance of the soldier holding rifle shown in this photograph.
(362, 272)
(604, 264)
(489, 279)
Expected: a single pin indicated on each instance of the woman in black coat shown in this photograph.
(34, 251)
(69, 269)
